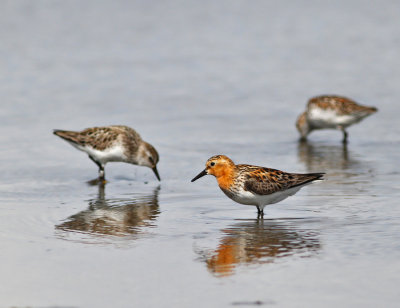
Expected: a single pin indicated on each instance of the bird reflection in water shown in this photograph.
(323, 157)
(114, 217)
(258, 242)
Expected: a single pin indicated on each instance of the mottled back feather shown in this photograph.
(101, 138)
(265, 181)
(342, 105)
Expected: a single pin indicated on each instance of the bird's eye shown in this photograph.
(151, 159)
(212, 164)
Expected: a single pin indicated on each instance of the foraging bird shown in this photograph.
(331, 112)
(115, 143)
(253, 185)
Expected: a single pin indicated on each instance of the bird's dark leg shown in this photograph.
(260, 212)
(101, 173)
(101, 168)
(345, 134)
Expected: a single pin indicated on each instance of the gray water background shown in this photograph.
(197, 78)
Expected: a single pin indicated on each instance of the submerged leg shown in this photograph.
(101, 173)
(345, 134)
(101, 167)
(260, 212)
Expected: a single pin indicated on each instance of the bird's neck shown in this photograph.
(225, 177)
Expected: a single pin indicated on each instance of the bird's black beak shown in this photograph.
(156, 173)
(202, 173)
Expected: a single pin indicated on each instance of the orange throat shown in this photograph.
(225, 178)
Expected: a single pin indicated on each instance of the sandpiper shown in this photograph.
(253, 185)
(331, 112)
(116, 143)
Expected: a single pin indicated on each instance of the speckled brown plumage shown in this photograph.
(254, 185)
(264, 181)
(331, 112)
(101, 138)
(116, 143)
(342, 105)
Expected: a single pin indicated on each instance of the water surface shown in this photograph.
(197, 79)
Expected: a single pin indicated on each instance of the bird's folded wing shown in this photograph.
(265, 181)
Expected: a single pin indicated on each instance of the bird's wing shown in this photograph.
(342, 105)
(98, 138)
(265, 181)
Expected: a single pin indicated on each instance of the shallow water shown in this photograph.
(197, 79)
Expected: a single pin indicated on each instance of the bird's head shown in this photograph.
(148, 157)
(303, 126)
(218, 166)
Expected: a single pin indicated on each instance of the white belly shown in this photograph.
(328, 118)
(249, 198)
(115, 153)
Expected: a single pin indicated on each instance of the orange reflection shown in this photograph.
(258, 242)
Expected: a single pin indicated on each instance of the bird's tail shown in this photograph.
(66, 135)
(309, 177)
(372, 109)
